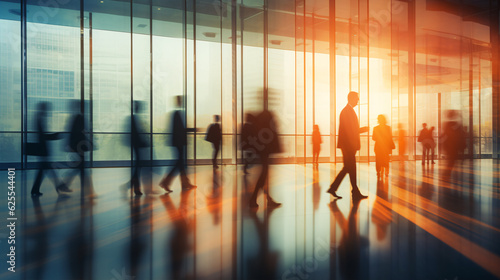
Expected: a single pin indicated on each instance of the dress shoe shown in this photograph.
(253, 204)
(272, 203)
(137, 192)
(333, 194)
(188, 186)
(63, 188)
(356, 195)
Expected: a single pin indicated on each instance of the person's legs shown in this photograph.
(260, 182)
(35, 189)
(385, 164)
(378, 164)
(72, 173)
(216, 147)
(178, 166)
(336, 183)
(424, 151)
(316, 155)
(350, 166)
(182, 170)
(136, 180)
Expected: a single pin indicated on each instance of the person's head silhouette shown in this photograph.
(353, 98)
(178, 101)
(43, 108)
(137, 107)
(382, 120)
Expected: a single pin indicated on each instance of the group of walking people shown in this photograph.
(259, 139)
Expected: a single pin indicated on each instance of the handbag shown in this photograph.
(35, 149)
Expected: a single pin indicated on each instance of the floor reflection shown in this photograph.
(414, 225)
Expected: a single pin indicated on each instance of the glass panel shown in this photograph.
(10, 68)
(11, 147)
(112, 147)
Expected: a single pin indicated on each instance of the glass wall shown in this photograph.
(412, 61)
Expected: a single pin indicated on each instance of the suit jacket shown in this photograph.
(43, 136)
(214, 134)
(348, 130)
(137, 134)
(179, 132)
(78, 141)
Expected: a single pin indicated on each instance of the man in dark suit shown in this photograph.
(214, 136)
(349, 143)
(78, 144)
(179, 142)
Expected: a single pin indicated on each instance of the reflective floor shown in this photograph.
(414, 225)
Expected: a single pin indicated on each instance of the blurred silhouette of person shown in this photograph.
(316, 140)
(140, 145)
(427, 189)
(179, 244)
(401, 142)
(431, 145)
(349, 249)
(247, 134)
(452, 139)
(267, 143)
(265, 263)
(179, 142)
(316, 189)
(382, 135)
(80, 243)
(214, 201)
(382, 212)
(214, 136)
(349, 143)
(37, 233)
(140, 218)
(77, 145)
(423, 137)
(41, 148)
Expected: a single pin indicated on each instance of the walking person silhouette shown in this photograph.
(349, 143)
(179, 142)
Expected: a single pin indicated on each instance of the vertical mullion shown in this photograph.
(479, 104)
(313, 72)
(266, 85)
(151, 83)
(241, 67)
(234, 86)
(305, 80)
(221, 93)
(24, 85)
(295, 81)
(184, 99)
(194, 81)
(471, 100)
(82, 87)
(368, 71)
(131, 81)
(91, 94)
(333, 95)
